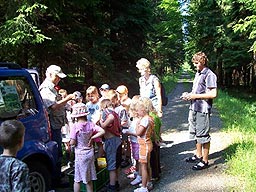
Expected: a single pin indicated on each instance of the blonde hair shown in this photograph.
(92, 90)
(112, 95)
(144, 103)
(105, 103)
(200, 57)
(132, 109)
(143, 63)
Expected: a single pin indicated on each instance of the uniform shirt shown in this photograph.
(14, 175)
(202, 83)
(50, 96)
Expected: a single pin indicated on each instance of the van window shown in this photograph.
(16, 98)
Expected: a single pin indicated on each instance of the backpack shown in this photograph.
(163, 95)
(163, 92)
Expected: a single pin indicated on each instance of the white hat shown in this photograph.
(79, 110)
(104, 87)
(57, 70)
(78, 95)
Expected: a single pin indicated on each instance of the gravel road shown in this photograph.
(177, 175)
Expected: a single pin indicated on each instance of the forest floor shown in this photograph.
(177, 175)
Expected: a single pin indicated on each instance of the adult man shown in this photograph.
(203, 92)
(55, 105)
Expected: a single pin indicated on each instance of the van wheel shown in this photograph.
(40, 177)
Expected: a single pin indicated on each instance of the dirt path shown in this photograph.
(177, 175)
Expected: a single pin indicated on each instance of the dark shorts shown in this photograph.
(113, 149)
(199, 127)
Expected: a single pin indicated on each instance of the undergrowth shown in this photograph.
(238, 115)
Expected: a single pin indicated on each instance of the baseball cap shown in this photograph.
(104, 87)
(122, 89)
(57, 70)
(79, 110)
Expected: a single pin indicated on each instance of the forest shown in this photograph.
(99, 41)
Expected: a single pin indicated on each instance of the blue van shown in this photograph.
(20, 99)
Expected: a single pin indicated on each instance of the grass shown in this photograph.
(238, 115)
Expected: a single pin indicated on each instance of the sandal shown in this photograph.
(201, 165)
(193, 159)
(132, 169)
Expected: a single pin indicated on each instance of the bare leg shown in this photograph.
(199, 150)
(89, 186)
(76, 187)
(112, 177)
(206, 149)
(144, 174)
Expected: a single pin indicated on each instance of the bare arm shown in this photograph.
(108, 121)
(62, 102)
(211, 94)
(159, 98)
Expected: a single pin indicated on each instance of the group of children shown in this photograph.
(122, 129)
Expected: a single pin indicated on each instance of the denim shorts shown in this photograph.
(113, 149)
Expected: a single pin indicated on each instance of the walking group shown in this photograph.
(125, 131)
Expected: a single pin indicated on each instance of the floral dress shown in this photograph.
(84, 155)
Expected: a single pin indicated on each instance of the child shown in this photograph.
(93, 107)
(104, 91)
(111, 123)
(16, 172)
(144, 131)
(92, 104)
(134, 142)
(124, 119)
(66, 128)
(156, 140)
(123, 96)
(81, 137)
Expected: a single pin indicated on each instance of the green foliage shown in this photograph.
(166, 40)
(170, 81)
(20, 29)
(238, 115)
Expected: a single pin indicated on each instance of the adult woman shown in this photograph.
(149, 85)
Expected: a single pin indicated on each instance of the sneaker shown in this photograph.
(201, 165)
(141, 189)
(132, 175)
(137, 180)
(193, 159)
(150, 186)
(117, 186)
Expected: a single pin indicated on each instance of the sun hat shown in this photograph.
(78, 95)
(122, 89)
(56, 70)
(105, 87)
(79, 110)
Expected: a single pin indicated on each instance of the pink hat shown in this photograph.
(79, 110)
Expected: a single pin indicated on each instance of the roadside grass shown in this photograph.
(239, 116)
